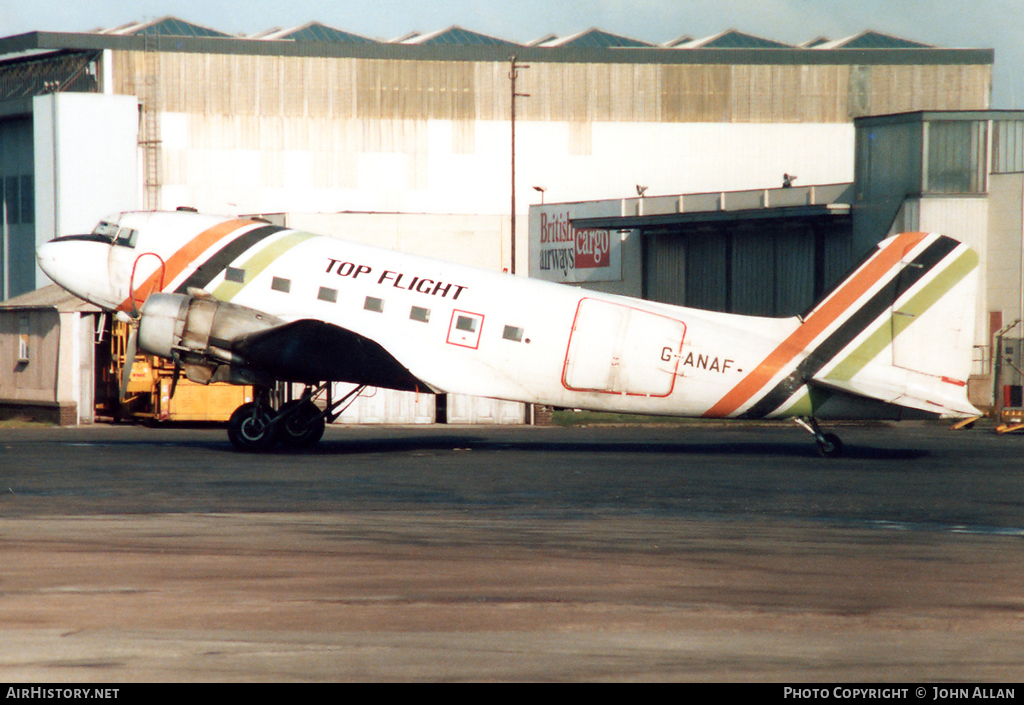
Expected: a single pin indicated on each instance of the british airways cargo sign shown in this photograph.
(565, 253)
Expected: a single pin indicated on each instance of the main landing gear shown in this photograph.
(829, 445)
(257, 427)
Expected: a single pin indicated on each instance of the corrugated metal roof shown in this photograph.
(678, 42)
(732, 39)
(167, 27)
(814, 43)
(458, 36)
(316, 32)
(873, 40)
(596, 38)
(542, 40)
(457, 44)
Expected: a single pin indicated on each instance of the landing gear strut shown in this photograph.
(257, 427)
(829, 444)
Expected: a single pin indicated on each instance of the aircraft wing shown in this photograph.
(310, 351)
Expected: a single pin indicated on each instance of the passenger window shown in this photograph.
(512, 333)
(374, 304)
(282, 285)
(465, 329)
(328, 295)
(420, 314)
(233, 274)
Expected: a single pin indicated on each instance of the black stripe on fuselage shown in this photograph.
(877, 305)
(208, 270)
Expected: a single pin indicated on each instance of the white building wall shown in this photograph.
(86, 162)
(276, 164)
(965, 219)
(1006, 246)
(473, 240)
(253, 164)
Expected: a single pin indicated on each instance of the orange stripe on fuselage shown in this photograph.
(817, 322)
(181, 259)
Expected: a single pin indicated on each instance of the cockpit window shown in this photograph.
(107, 230)
(126, 237)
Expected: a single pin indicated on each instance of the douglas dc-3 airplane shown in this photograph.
(243, 301)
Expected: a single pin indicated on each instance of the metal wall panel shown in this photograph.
(794, 270)
(752, 280)
(836, 258)
(665, 269)
(1007, 146)
(956, 156)
(341, 87)
(762, 270)
(707, 271)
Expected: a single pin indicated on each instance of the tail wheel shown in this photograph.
(303, 426)
(250, 430)
(830, 446)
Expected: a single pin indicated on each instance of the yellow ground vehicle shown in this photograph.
(149, 390)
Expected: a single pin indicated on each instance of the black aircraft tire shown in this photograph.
(248, 434)
(832, 447)
(302, 428)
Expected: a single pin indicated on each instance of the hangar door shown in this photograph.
(617, 349)
(17, 207)
(757, 271)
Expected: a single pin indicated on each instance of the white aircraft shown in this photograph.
(242, 301)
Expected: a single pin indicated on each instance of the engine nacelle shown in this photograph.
(199, 331)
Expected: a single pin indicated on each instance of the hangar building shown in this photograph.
(408, 142)
(316, 120)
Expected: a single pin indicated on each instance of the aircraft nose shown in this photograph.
(79, 266)
(47, 258)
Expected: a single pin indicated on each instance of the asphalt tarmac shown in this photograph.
(702, 552)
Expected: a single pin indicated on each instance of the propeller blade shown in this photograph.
(129, 360)
(174, 378)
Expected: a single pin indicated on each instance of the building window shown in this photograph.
(374, 304)
(1007, 146)
(420, 314)
(282, 285)
(328, 295)
(955, 155)
(23, 333)
(233, 274)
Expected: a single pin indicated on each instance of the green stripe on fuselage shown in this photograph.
(894, 324)
(254, 266)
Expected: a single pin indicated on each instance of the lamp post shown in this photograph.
(513, 74)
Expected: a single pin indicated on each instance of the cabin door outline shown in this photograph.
(618, 349)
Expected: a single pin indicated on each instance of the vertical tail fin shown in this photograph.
(908, 337)
(898, 330)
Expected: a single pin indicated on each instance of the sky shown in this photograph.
(980, 24)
